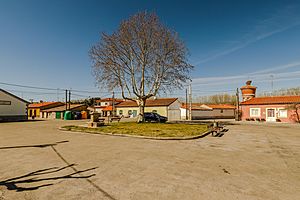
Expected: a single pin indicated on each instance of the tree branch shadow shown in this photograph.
(33, 177)
(11, 184)
(35, 146)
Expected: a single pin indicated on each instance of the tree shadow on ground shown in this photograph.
(11, 184)
(35, 146)
(37, 176)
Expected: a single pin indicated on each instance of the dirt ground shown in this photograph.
(37, 161)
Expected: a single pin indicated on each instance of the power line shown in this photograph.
(31, 92)
(32, 87)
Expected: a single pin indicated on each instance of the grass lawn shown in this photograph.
(146, 129)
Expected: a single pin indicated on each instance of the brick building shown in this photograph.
(270, 109)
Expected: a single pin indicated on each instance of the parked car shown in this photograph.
(154, 117)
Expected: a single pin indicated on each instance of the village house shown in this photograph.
(105, 106)
(58, 112)
(35, 109)
(168, 107)
(208, 111)
(12, 108)
(270, 109)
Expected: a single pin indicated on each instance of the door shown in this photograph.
(271, 117)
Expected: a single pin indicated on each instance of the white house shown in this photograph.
(105, 106)
(12, 108)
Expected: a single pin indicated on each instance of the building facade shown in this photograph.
(208, 111)
(168, 107)
(106, 106)
(12, 108)
(35, 109)
(58, 112)
(270, 109)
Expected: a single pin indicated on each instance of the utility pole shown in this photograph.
(186, 104)
(113, 104)
(190, 101)
(237, 117)
(57, 91)
(69, 99)
(272, 86)
(66, 100)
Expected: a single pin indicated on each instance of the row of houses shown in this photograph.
(169, 107)
(53, 110)
(252, 108)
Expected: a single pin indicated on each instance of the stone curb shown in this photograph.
(142, 137)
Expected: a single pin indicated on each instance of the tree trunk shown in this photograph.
(141, 103)
(297, 114)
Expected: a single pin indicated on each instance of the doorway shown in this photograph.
(271, 115)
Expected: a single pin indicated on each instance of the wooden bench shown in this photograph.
(115, 119)
(101, 120)
(216, 129)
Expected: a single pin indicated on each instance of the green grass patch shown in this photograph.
(146, 129)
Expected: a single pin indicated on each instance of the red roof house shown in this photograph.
(270, 109)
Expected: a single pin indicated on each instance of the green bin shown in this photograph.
(58, 115)
(68, 115)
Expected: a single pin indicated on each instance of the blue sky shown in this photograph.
(46, 43)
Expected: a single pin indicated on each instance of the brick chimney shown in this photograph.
(248, 91)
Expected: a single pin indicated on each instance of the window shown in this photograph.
(3, 102)
(134, 112)
(254, 112)
(221, 111)
(282, 113)
(120, 112)
(129, 112)
(154, 111)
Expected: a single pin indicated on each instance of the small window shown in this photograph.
(134, 112)
(3, 102)
(221, 111)
(282, 113)
(120, 112)
(129, 112)
(254, 112)
(154, 111)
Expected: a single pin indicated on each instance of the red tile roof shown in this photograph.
(272, 100)
(149, 102)
(200, 106)
(43, 104)
(196, 106)
(100, 106)
(221, 106)
(107, 108)
(63, 108)
(109, 99)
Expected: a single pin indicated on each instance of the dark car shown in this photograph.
(154, 117)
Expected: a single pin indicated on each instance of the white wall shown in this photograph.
(209, 114)
(16, 107)
(174, 111)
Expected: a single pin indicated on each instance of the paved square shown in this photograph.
(37, 161)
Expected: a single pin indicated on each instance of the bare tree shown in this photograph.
(282, 92)
(140, 59)
(217, 99)
(295, 107)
